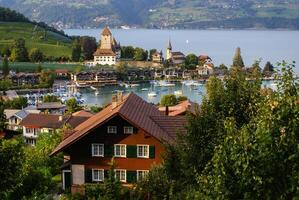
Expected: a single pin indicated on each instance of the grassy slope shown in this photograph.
(52, 44)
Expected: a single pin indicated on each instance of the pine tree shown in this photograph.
(19, 52)
(5, 66)
(76, 51)
(238, 60)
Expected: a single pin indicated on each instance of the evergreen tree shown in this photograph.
(5, 66)
(72, 106)
(19, 52)
(36, 55)
(88, 47)
(238, 60)
(76, 51)
(268, 69)
(2, 116)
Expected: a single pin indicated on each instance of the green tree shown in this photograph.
(3, 122)
(151, 53)
(19, 52)
(11, 167)
(140, 54)
(51, 98)
(260, 160)
(17, 103)
(168, 100)
(46, 78)
(238, 60)
(88, 46)
(6, 51)
(191, 61)
(72, 106)
(36, 55)
(5, 84)
(122, 71)
(76, 51)
(95, 109)
(127, 52)
(39, 69)
(5, 66)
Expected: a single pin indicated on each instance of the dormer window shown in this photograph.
(128, 130)
(112, 129)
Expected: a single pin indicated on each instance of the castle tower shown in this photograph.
(168, 51)
(106, 39)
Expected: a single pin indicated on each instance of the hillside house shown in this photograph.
(130, 130)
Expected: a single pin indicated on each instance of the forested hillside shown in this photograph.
(162, 13)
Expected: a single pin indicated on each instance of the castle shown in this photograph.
(109, 51)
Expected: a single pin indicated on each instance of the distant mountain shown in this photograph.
(162, 13)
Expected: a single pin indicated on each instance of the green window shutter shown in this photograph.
(152, 152)
(88, 175)
(109, 151)
(131, 176)
(131, 151)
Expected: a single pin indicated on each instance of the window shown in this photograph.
(29, 130)
(121, 175)
(120, 150)
(97, 175)
(112, 129)
(97, 150)
(143, 151)
(141, 174)
(128, 130)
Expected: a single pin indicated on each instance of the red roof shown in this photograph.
(106, 31)
(104, 52)
(181, 108)
(133, 109)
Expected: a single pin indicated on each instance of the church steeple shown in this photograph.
(169, 45)
(169, 51)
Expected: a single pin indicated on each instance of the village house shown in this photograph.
(51, 107)
(157, 57)
(34, 124)
(109, 51)
(61, 73)
(175, 58)
(24, 79)
(15, 116)
(205, 70)
(101, 77)
(130, 130)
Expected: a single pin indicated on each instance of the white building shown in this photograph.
(109, 51)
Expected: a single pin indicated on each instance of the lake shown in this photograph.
(220, 45)
(102, 96)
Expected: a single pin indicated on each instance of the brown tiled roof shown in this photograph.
(106, 31)
(43, 121)
(178, 54)
(50, 105)
(171, 124)
(75, 121)
(133, 109)
(181, 108)
(82, 113)
(104, 52)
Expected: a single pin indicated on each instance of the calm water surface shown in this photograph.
(220, 45)
(104, 94)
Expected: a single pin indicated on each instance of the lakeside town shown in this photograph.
(134, 149)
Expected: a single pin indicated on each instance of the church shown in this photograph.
(109, 51)
(175, 58)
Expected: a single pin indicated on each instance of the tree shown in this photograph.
(127, 52)
(168, 100)
(5, 66)
(151, 53)
(122, 71)
(260, 160)
(140, 54)
(5, 84)
(46, 78)
(16, 103)
(11, 167)
(191, 61)
(39, 69)
(19, 52)
(36, 55)
(3, 122)
(88, 46)
(268, 69)
(51, 98)
(6, 51)
(72, 106)
(76, 51)
(238, 60)
(95, 109)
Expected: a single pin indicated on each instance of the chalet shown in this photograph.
(24, 79)
(157, 57)
(205, 70)
(61, 73)
(130, 130)
(34, 124)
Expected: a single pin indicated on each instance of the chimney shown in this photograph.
(114, 101)
(166, 110)
(119, 97)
